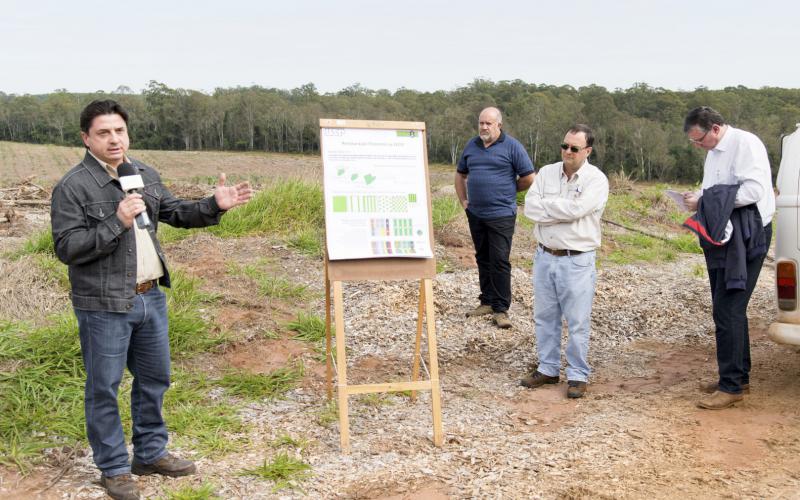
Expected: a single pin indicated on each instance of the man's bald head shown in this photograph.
(490, 122)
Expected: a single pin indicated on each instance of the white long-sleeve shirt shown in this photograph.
(567, 211)
(741, 158)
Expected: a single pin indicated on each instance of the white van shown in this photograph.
(786, 330)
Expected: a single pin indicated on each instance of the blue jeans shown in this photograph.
(563, 287)
(109, 342)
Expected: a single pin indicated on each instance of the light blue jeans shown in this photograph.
(563, 287)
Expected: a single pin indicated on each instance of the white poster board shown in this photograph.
(376, 194)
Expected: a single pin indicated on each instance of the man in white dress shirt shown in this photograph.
(735, 157)
(566, 201)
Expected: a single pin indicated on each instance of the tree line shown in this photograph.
(638, 130)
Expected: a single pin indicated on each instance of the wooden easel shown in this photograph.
(353, 270)
(381, 269)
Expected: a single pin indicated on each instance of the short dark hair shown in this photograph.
(586, 129)
(101, 107)
(703, 117)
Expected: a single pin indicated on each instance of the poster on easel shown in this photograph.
(376, 194)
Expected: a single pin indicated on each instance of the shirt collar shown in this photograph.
(577, 172)
(725, 142)
(500, 139)
(112, 171)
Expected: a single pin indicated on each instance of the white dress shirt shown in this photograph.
(567, 211)
(741, 158)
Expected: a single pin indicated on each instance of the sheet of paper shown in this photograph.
(677, 198)
(376, 194)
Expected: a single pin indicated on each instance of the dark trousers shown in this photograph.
(730, 318)
(492, 240)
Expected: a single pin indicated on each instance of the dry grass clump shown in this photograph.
(620, 182)
(30, 294)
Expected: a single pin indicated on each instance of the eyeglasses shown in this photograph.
(698, 141)
(574, 149)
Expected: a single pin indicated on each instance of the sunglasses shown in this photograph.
(574, 149)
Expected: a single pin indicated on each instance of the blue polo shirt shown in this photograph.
(493, 172)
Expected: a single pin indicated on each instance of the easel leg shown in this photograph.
(328, 353)
(436, 407)
(420, 314)
(341, 367)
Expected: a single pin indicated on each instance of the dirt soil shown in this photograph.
(637, 432)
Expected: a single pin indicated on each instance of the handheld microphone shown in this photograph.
(132, 182)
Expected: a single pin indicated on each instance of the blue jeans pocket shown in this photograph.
(585, 259)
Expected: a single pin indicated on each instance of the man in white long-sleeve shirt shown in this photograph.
(735, 157)
(566, 201)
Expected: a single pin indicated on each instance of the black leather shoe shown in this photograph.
(576, 389)
(121, 487)
(168, 465)
(537, 379)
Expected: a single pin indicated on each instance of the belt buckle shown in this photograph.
(144, 287)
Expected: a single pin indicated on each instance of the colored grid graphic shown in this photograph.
(371, 204)
(397, 247)
(391, 227)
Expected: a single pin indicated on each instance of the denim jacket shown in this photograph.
(98, 249)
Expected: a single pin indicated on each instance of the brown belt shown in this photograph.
(560, 253)
(146, 286)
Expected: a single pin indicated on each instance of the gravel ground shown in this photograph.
(636, 433)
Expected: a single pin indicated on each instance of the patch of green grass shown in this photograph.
(328, 414)
(53, 268)
(287, 208)
(521, 197)
(627, 208)
(41, 383)
(290, 208)
(524, 222)
(168, 234)
(258, 386)
(640, 248)
(270, 334)
(39, 243)
(205, 491)
(287, 440)
(42, 380)
(686, 243)
(375, 400)
(698, 271)
(308, 327)
(308, 241)
(210, 427)
(269, 285)
(445, 209)
(443, 266)
(189, 331)
(283, 470)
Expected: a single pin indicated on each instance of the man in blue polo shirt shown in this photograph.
(493, 168)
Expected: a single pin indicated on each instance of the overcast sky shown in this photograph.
(388, 44)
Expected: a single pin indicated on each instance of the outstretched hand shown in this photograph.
(228, 197)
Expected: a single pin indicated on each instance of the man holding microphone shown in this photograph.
(116, 268)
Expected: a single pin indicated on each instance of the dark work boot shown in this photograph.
(121, 487)
(168, 465)
(537, 379)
